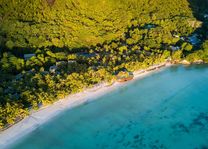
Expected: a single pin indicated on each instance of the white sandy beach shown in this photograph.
(44, 114)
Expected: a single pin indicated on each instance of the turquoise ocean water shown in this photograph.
(166, 110)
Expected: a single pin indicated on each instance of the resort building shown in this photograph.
(87, 55)
(149, 26)
(28, 56)
(194, 39)
(205, 16)
(61, 63)
(71, 61)
(174, 48)
(124, 76)
(53, 69)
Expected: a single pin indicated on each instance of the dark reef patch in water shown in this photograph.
(180, 127)
(201, 121)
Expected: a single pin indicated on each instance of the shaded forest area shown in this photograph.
(50, 49)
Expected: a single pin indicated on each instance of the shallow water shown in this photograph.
(168, 109)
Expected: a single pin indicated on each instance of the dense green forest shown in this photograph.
(52, 48)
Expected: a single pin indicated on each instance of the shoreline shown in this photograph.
(45, 114)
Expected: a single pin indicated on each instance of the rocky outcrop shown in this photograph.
(198, 62)
(185, 62)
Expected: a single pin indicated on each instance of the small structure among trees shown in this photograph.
(205, 16)
(28, 56)
(194, 39)
(53, 69)
(174, 48)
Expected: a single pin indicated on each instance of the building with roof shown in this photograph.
(28, 56)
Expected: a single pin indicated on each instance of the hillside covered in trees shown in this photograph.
(72, 24)
(52, 48)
